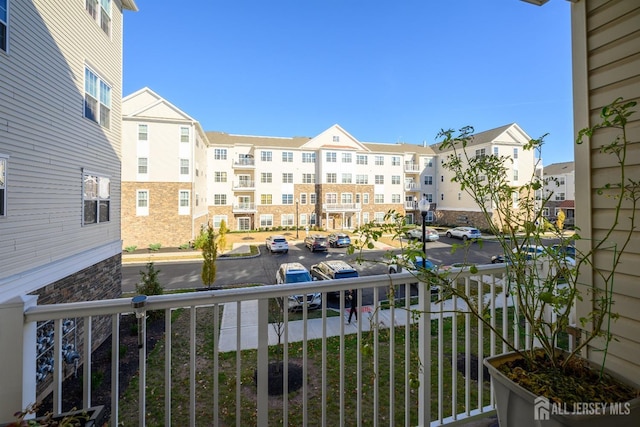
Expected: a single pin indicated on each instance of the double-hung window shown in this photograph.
(96, 198)
(184, 166)
(185, 134)
(97, 99)
(220, 154)
(102, 14)
(4, 24)
(142, 203)
(287, 156)
(143, 165)
(184, 202)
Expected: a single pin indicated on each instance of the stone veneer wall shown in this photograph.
(461, 218)
(163, 224)
(100, 281)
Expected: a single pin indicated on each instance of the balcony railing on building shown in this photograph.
(244, 164)
(341, 207)
(411, 186)
(244, 207)
(366, 369)
(244, 185)
(411, 167)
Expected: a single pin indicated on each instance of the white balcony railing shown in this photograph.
(412, 167)
(244, 164)
(244, 185)
(341, 207)
(244, 207)
(385, 366)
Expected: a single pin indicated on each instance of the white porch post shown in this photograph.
(17, 357)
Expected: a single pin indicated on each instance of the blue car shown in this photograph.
(339, 240)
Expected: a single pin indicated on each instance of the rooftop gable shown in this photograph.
(510, 134)
(335, 138)
(146, 104)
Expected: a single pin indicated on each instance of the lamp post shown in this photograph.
(424, 206)
(297, 219)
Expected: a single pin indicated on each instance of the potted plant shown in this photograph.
(544, 284)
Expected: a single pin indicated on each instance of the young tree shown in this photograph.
(222, 235)
(209, 253)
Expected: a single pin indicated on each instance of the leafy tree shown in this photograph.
(209, 253)
(149, 284)
(222, 235)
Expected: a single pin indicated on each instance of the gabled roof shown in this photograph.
(560, 168)
(510, 134)
(130, 5)
(335, 138)
(227, 139)
(146, 104)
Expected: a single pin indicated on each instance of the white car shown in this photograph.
(464, 233)
(277, 244)
(431, 234)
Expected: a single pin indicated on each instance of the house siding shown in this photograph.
(607, 66)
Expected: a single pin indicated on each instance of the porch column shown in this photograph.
(17, 357)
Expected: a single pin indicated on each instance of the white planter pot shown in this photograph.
(518, 407)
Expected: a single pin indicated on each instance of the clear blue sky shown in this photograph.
(386, 71)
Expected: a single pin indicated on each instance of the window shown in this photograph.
(428, 180)
(303, 219)
(361, 159)
(287, 199)
(429, 197)
(313, 198)
(287, 156)
(379, 217)
(332, 178)
(395, 198)
(266, 177)
(561, 181)
(96, 198)
(362, 179)
(217, 220)
(142, 203)
(219, 199)
(184, 166)
(395, 161)
(185, 134)
(312, 219)
(331, 198)
(395, 179)
(442, 196)
(220, 154)
(365, 198)
(286, 220)
(3, 186)
(515, 153)
(428, 163)
(331, 157)
(336, 138)
(441, 178)
(379, 179)
(220, 177)
(266, 220)
(143, 165)
(266, 199)
(102, 15)
(379, 160)
(308, 178)
(346, 178)
(481, 152)
(559, 196)
(358, 196)
(515, 174)
(378, 198)
(496, 151)
(303, 198)
(266, 156)
(143, 133)
(97, 99)
(365, 217)
(287, 178)
(308, 157)
(346, 158)
(346, 198)
(459, 195)
(4, 23)
(545, 212)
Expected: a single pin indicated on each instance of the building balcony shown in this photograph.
(411, 186)
(411, 167)
(243, 185)
(244, 207)
(244, 164)
(199, 380)
(341, 207)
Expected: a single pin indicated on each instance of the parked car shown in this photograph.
(316, 242)
(339, 240)
(431, 234)
(531, 252)
(333, 269)
(405, 263)
(566, 250)
(294, 272)
(464, 233)
(277, 243)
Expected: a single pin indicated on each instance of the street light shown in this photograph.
(297, 219)
(424, 206)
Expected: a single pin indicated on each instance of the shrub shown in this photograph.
(155, 247)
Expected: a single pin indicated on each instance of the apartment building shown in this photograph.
(330, 181)
(559, 189)
(60, 141)
(455, 206)
(164, 173)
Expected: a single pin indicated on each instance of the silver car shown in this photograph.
(464, 233)
(431, 234)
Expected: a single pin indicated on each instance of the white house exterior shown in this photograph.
(60, 141)
(164, 173)
(560, 190)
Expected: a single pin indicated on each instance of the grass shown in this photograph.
(388, 390)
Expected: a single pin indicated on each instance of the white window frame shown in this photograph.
(102, 14)
(332, 178)
(142, 202)
(346, 198)
(287, 199)
(266, 156)
(395, 179)
(347, 178)
(395, 161)
(219, 199)
(96, 194)
(308, 157)
(308, 178)
(313, 199)
(303, 219)
(217, 220)
(303, 198)
(365, 198)
(266, 220)
(143, 165)
(184, 202)
(143, 132)
(347, 158)
(362, 159)
(287, 178)
(287, 220)
(219, 176)
(220, 154)
(379, 160)
(379, 179)
(184, 168)
(266, 199)
(331, 157)
(97, 98)
(266, 177)
(287, 156)
(428, 180)
(362, 179)
(331, 198)
(184, 134)
(378, 199)
(395, 198)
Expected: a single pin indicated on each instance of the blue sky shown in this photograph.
(386, 71)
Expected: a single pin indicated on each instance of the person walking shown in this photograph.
(353, 295)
